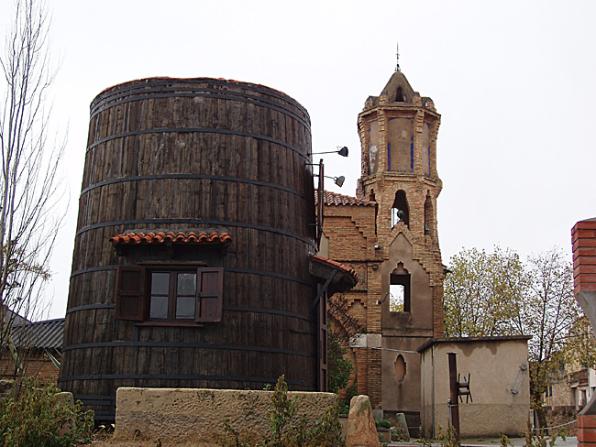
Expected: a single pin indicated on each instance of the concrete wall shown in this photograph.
(193, 415)
(499, 384)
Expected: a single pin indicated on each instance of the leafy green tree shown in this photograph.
(484, 293)
(339, 368)
(497, 293)
(579, 347)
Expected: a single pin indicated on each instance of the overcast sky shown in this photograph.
(515, 82)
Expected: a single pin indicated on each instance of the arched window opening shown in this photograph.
(399, 95)
(373, 199)
(400, 212)
(412, 153)
(399, 290)
(428, 214)
(372, 159)
(400, 368)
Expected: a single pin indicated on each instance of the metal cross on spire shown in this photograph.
(397, 56)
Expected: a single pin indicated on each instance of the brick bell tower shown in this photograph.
(398, 134)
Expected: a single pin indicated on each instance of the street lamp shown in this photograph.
(342, 151)
(339, 181)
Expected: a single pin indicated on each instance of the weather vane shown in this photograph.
(397, 55)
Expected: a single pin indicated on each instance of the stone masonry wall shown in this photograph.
(173, 416)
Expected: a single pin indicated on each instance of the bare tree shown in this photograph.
(29, 166)
(550, 310)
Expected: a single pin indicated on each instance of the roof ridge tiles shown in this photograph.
(175, 237)
(336, 199)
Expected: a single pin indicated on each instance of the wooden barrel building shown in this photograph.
(194, 237)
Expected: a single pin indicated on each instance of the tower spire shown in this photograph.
(397, 56)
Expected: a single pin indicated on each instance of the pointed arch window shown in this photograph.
(428, 214)
(412, 153)
(400, 368)
(399, 290)
(399, 95)
(373, 199)
(400, 211)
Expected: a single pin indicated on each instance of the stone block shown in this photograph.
(361, 430)
(194, 415)
(402, 432)
(64, 397)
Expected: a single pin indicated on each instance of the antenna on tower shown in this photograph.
(397, 56)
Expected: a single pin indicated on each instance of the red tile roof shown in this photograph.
(344, 268)
(335, 199)
(171, 237)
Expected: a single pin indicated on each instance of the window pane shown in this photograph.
(158, 308)
(185, 307)
(160, 283)
(187, 284)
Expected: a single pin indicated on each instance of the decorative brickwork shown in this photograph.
(398, 143)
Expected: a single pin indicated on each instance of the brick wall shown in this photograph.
(36, 364)
(586, 431)
(583, 239)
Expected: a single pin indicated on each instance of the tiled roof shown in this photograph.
(344, 268)
(46, 334)
(335, 199)
(11, 317)
(171, 237)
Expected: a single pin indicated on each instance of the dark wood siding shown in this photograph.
(185, 154)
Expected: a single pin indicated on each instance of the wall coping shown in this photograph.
(464, 340)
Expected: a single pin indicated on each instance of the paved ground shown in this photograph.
(570, 441)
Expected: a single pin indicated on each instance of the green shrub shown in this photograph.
(287, 429)
(338, 367)
(447, 438)
(344, 403)
(33, 417)
(383, 423)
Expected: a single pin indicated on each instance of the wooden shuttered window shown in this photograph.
(131, 302)
(209, 294)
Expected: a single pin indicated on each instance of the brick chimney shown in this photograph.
(583, 239)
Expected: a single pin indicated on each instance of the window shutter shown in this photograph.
(210, 294)
(130, 293)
